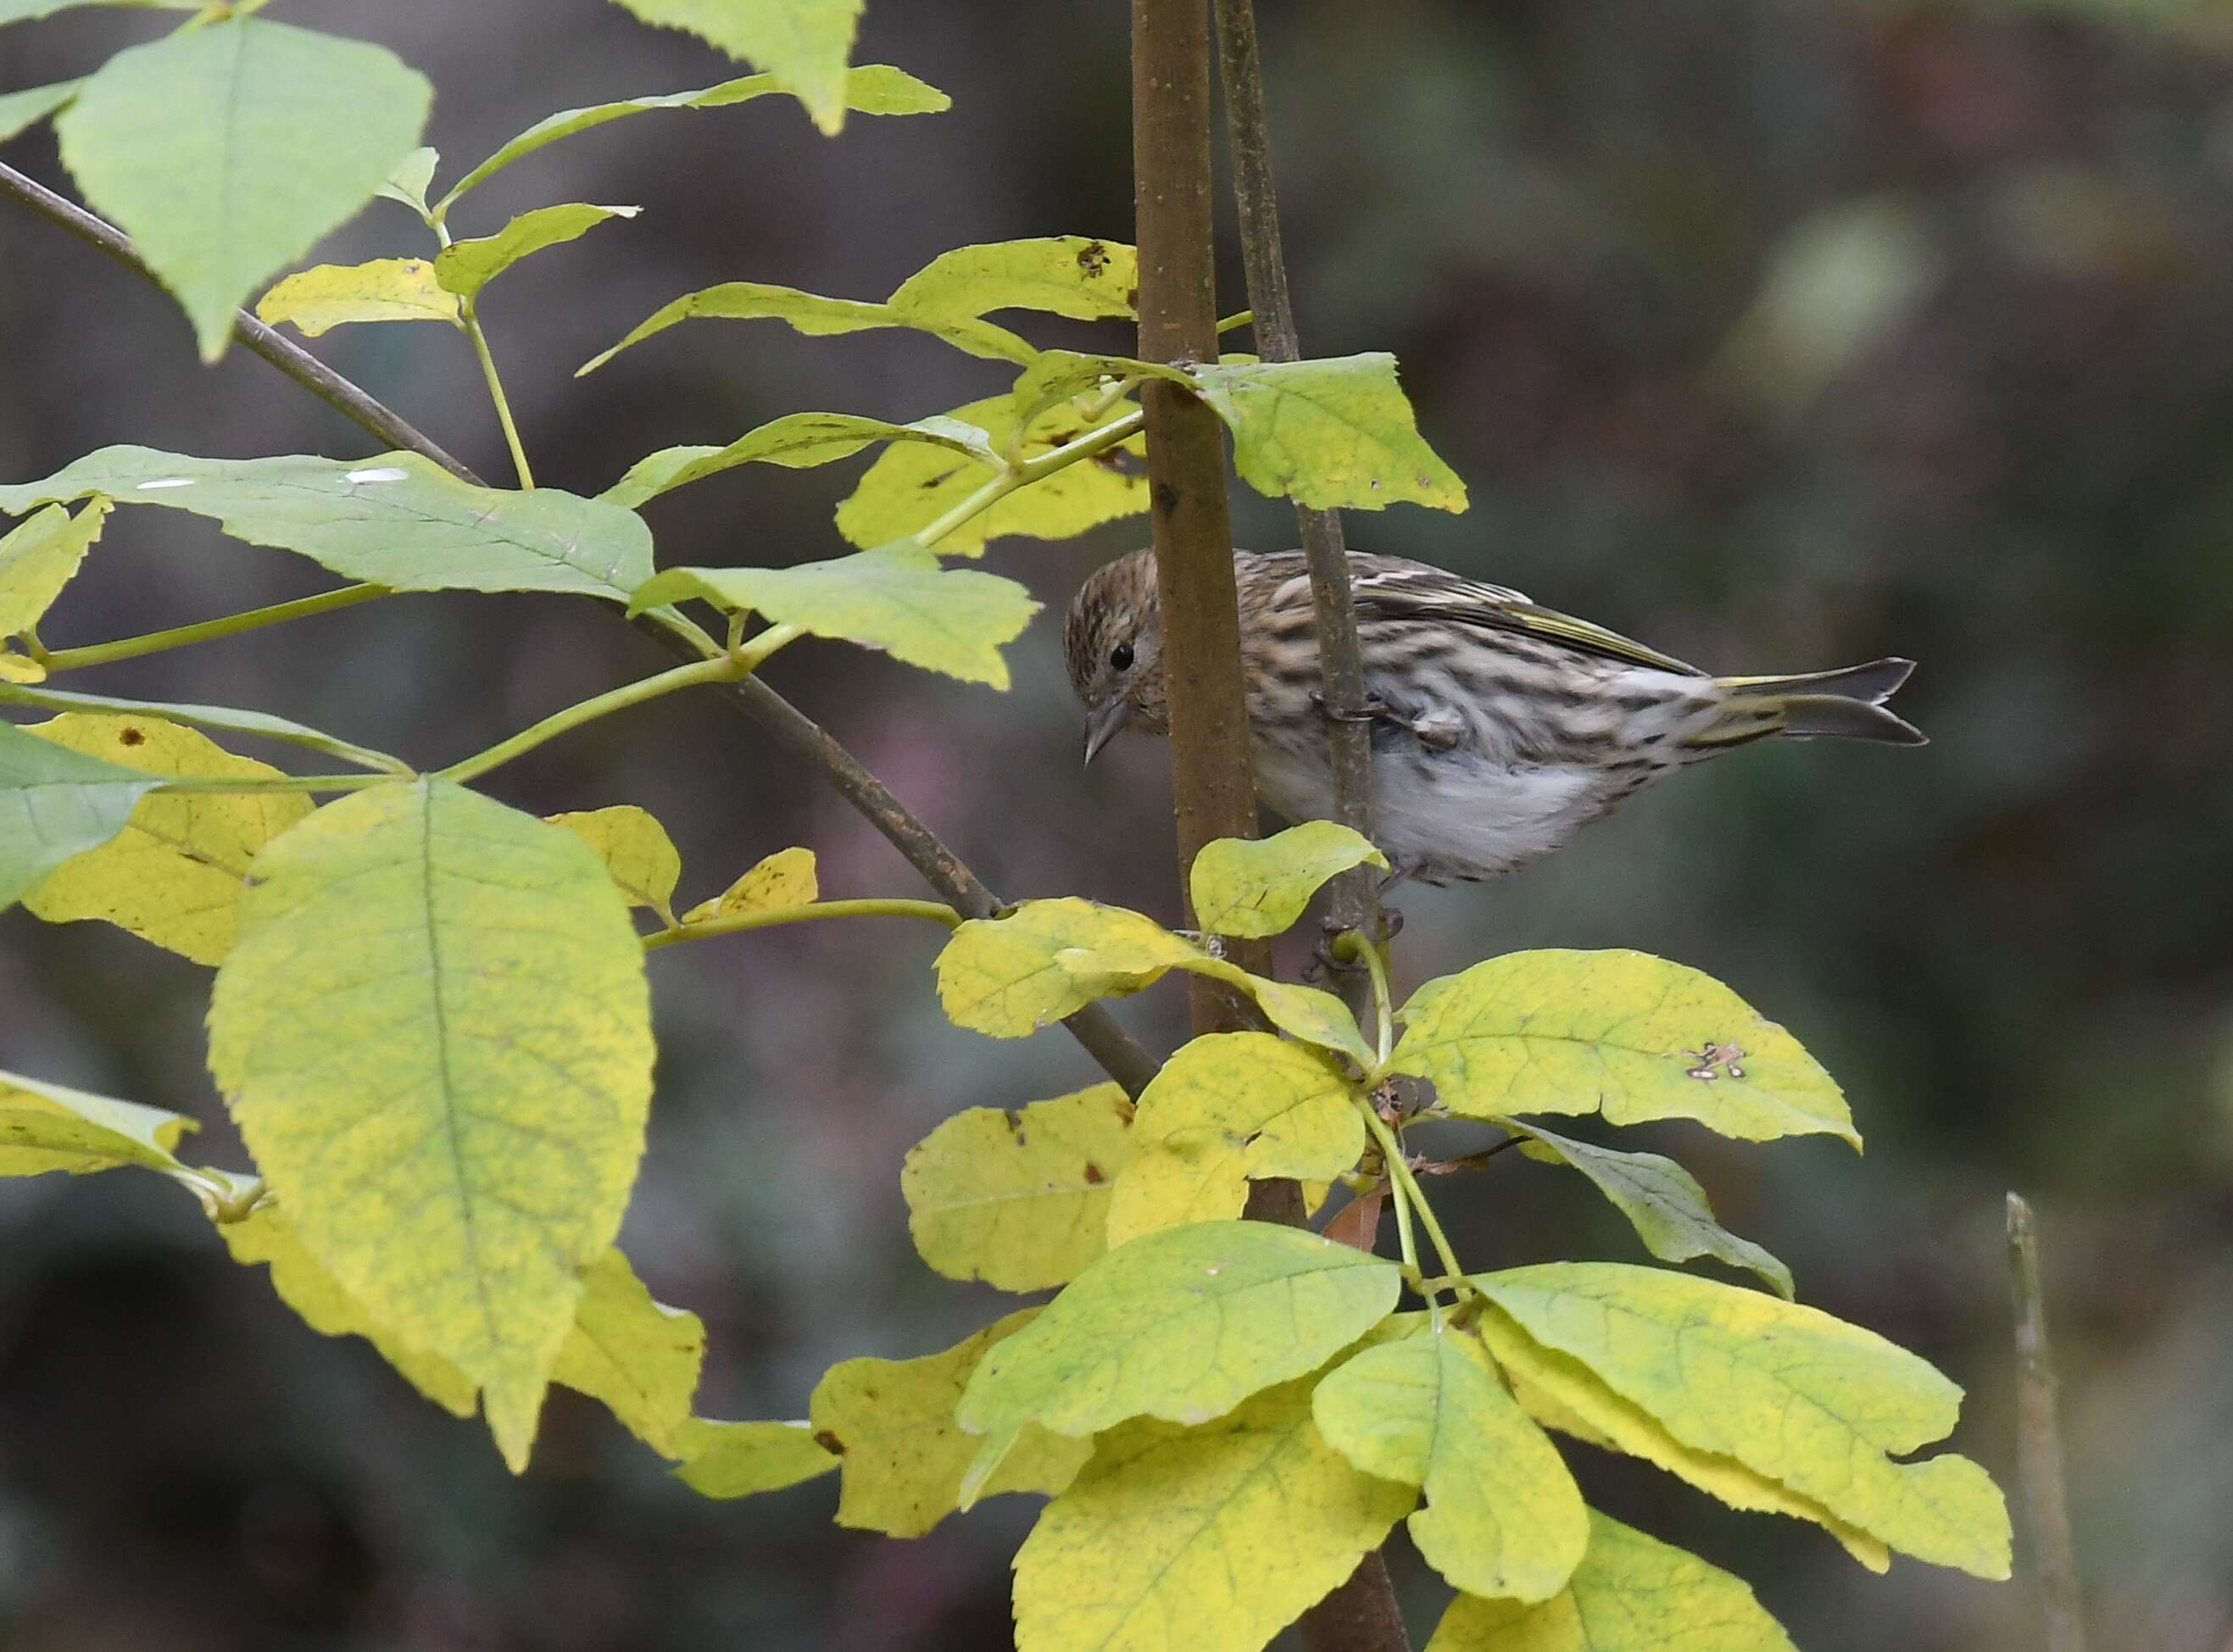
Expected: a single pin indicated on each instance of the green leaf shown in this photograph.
(1062, 275)
(229, 718)
(1797, 1396)
(41, 557)
(1255, 888)
(796, 441)
(1054, 375)
(803, 42)
(1019, 1199)
(435, 1037)
(897, 598)
(51, 1127)
(173, 876)
(409, 180)
(910, 486)
(1503, 1516)
(725, 1459)
(1178, 1539)
(266, 1236)
(1630, 1593)
(891, 1424)
(1662, 1201)
(636, 851)
(1332, 435)
(875, 88)
(21, 111)
(1183, 1325)
(227, 152)
(397, 520)
(466, 267)
(1228, 1106)
(1621, 1033)
(639, 1356)
(25, 10)
(55, 803)
(327, 295)
(814, 316)
(786, 878)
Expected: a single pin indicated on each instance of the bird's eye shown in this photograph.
(1121, 656)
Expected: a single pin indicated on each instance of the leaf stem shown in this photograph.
(471, 317)
(1094, 441)
(1353, 944)
(616, 699)
(1402, 1185)
(230, 625)
(245, 785)
(936, 912)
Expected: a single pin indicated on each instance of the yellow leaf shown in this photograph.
(901, 1455)
(637, 1356)
(465, 266)
(1630, 1593)
(1503, 1516)
(1330, 434)
(51, 1127)
(1799, 1398)
(1255, 888)
(725, 1459)
(1227, 1107)
(1180, 1539)
(1622, 1033)
(786, 878)
(37, 559)
(174, 874)
(20, 668)
(1020, 1200)
(1062, 275)
(331, 295)
(636, 850)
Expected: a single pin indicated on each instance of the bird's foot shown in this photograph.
(1373, 710)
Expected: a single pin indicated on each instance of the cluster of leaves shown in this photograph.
(430, 1014)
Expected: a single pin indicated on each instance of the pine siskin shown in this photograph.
(1498, 728)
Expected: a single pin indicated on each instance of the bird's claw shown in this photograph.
(1372, 711)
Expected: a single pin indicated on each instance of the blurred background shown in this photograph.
(1778, 335)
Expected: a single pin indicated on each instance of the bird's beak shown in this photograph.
(1103, 721)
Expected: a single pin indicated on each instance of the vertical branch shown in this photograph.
(1215, 794)
(1356, 902)
(2039, 1442)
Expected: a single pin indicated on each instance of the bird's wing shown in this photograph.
(1391, 588)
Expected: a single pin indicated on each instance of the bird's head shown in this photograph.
(1112, 644)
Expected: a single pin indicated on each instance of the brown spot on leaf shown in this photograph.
(1092, 260)
(1131, 298)
(1093, 1176)
(830, 1443)
(131, 737)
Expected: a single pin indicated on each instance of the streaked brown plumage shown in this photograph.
(1499, 727)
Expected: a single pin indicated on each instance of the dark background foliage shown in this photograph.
(1780, 335)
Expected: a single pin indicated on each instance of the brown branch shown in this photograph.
(1119, 1055)
(2039, 1442)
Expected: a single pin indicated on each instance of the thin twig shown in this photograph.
(2039, 1442)
(1122, 1056)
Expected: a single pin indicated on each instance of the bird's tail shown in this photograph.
(1846, 704)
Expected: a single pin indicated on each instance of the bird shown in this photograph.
(1499, 727)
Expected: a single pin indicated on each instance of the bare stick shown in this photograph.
(1118, 1053)
(2039, 1442)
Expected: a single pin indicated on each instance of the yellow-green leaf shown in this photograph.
(875, 88)
(803, 42)
(1019, 1199)
(55, 803)
(227, 152)
(1622, 1033)
(796, 441)
(328, 295)
(786, 878)
(1188, 1539)
(902, 1457)
(464, 268)
(46, 1127)
(639, 1356)
(173, 876)
(1255, 888)
(911, 486)
(436, 1038)
(1631, 1593)
(1662, 1201)
(265, 1235)
(817, 317)
(1503, 1516)
(724, 1460)
(1333, 434)
(1228, 1106)
(407, 182)
(1183, 1325)
(1063, 275)
(39, 557)
(21, 111)
(899, 599)
(1054, 375)
(636, 851)
(1800, 1398)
